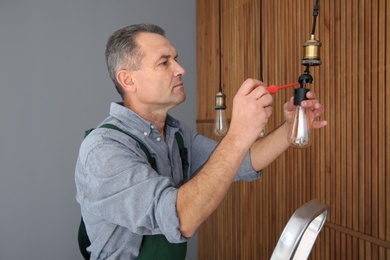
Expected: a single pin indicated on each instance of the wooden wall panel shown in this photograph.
(346, 167)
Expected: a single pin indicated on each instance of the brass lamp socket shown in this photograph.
(220, 99)
(311, 52)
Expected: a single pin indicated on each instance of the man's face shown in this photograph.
(159, 80)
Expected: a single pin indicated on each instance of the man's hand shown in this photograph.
(313, 107)
(252, 106)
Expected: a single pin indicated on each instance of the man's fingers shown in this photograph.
(248, 86)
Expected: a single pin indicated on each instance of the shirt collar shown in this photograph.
(133, 120)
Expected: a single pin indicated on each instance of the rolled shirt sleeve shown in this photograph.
(201, 150)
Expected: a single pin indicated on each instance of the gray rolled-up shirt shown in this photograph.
(121, 196)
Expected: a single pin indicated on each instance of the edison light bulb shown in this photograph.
(220, 122)
(299, 134)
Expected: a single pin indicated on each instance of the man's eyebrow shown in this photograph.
(162, 57)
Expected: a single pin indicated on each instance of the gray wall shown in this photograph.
(53, 86)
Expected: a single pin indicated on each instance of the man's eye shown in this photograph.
(164, 63)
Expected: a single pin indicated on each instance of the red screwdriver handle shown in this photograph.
(272, 89)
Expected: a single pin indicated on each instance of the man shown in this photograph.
(123, 199)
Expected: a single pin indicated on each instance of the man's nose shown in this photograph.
(180, 71)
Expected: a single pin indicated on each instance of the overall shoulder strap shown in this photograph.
(151, 159)
(183, 155)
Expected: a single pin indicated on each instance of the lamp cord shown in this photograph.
(261, 42)
(315, 14)
(220, 45)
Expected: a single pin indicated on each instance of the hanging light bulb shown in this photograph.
(299, 133)
(220, 122)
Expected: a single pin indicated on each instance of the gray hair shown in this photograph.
(123, 51)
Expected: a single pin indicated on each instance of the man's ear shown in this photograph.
(125, 78)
